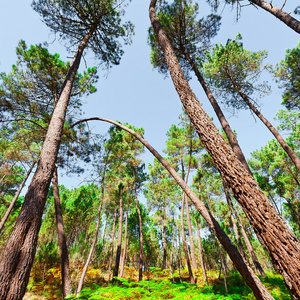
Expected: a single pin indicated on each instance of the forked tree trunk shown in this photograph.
(222, 119)
(62, 242)
(14, 200)
(119, 245)
(278, 13)
(20, 249)
(123, 261)
(251, 279)
(282, 245)
(111, 248)
(192, 279)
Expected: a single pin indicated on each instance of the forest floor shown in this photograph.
(157, 284)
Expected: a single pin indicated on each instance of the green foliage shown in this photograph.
(287, 74)
(231, 69)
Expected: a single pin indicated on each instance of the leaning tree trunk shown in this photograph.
(111, 248)
(16, 196)
(20, 250)
(192, 279)
(295, 159)
(250, 278)
(62, 242)
(222, 119)
(123, 261)
(119, 245)
(282, 245)
(278, 13)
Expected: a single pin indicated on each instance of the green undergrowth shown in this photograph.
(169, 289)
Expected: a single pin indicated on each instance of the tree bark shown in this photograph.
(164, 262)
(16, 196)
(202, 264)
(119, 245)
(111, 248)
(279, 14)
(222, 119)
(282, 245)
(63, 249)
(123, 261)
(192, 279)
(140, 232)
(20, 250)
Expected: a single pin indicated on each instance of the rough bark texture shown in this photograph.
(223, 121)
(119, 245)
(278, 13)
(281, 244)
(192, 279)
(20, 250)
(62, 242)
(16, 196)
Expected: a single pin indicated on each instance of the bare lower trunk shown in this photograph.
(111, 248)
(20, 250)
(201, 258)
(16, 196)
(278, 13)
(164, 264)
(119, 245)
(62, 242)
(192, 279)
(179, 254)
(85, 268)
(125, 244)
(282, 245)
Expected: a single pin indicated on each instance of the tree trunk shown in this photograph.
(119, 245)
(278, 13)
(140, 233)
(192, 279)
(123, 261)
(222, 119)
(16, 196)
(63, 249)
(179, 253)
(164, 264)
(201, 255)
(20, 250)
(111, 248)
(80, 284)
(282, 245)
(273, 130)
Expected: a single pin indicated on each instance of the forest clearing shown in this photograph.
(83, 216)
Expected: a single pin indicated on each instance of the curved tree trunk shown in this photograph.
(63, 249)
(281, 244)
(16, 196)
(20, 250)
(222, 119)
(278, 13)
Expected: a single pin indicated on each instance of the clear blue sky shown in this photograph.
(133, 92)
